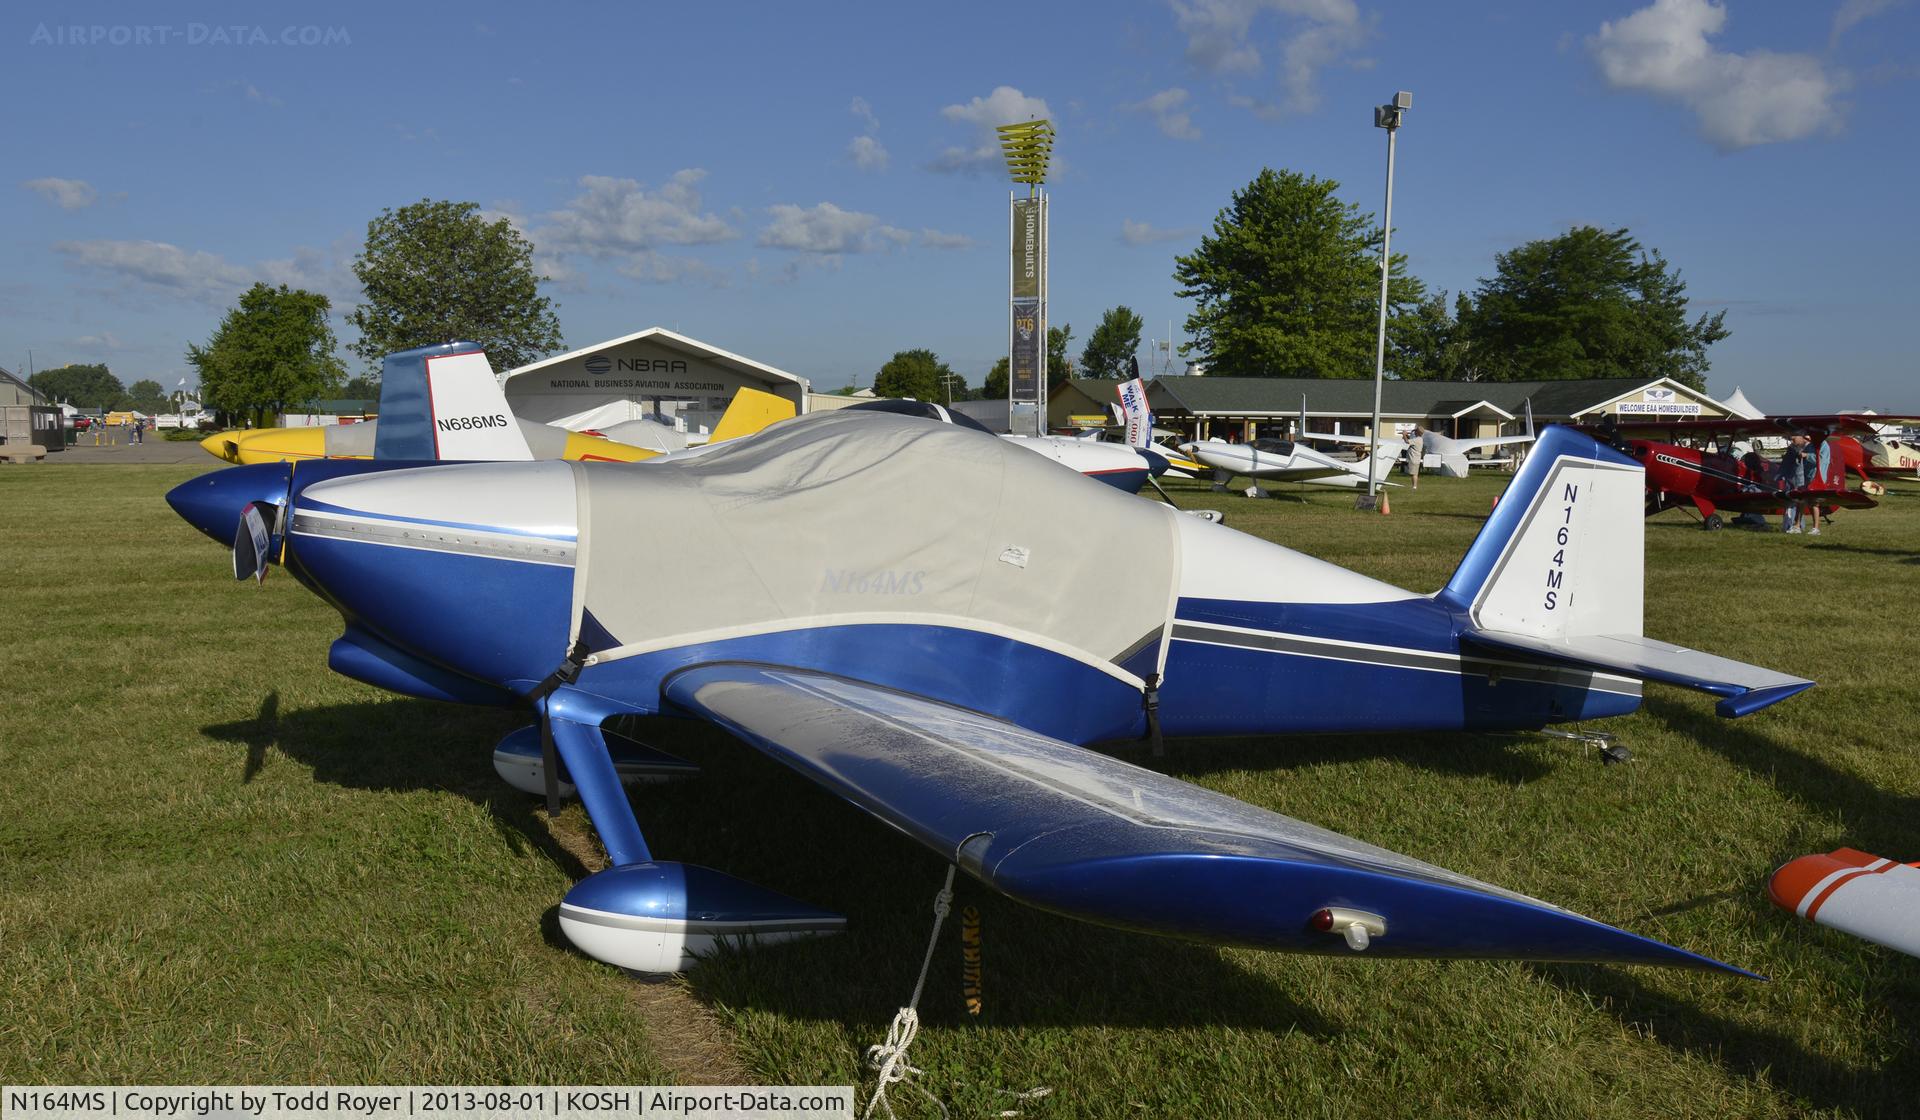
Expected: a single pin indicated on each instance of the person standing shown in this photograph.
(1794, 470)
(1416, 450)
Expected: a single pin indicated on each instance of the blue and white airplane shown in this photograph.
(896, 609)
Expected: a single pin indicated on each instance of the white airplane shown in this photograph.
(1120, 467)
(1441, 455)
(1283, 460)
(1448, 456)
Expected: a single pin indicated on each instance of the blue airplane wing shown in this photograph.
(1079, 833)
(1744, 688)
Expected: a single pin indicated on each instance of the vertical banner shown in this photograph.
(1133, 410)
(1026, 249)
(1023, 369)
(1027, 340)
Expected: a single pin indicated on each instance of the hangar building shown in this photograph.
(652, 374)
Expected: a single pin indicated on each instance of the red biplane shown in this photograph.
(1691, 463)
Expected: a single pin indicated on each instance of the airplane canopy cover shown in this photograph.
(857, 517)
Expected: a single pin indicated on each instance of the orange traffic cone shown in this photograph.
(1386, 507)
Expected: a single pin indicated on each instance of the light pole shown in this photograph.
(1027, 146)
(1388, 117)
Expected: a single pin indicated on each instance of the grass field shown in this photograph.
(221, 863)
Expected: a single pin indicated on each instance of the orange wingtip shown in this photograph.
(1790, 885)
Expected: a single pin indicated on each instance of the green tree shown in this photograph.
(1426, 342)
(995, 387)
(1058, 339)
(82, 386)
(1589, 303)
(273, 350)
(361, 388)
(437, 271)
(919, 374)
(1111, 344)
(147, 396)
(1288, 284)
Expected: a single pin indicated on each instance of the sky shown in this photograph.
(814, 185)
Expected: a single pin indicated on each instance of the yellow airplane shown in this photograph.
(750, 411)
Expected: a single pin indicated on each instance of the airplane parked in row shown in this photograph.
(943, 665)
(1690, 464)
(1286, 460)
(1442, 455)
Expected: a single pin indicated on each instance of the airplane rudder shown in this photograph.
(1562, 550)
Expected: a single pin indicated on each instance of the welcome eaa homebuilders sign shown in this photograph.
(645, 369)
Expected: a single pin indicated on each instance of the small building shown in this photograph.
(15, 390)
(26, 416)
(1241, 408)
(654, 374)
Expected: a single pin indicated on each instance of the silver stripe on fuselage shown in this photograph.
(1395, 657)
(699, 926)
(434, 538)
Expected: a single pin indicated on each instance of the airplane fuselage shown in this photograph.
(474, 603)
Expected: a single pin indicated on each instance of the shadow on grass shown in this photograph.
(752, 818)
(1467, 754)
(1876, 819)
(397, 746)
(1906, 555)
(1778, 1057)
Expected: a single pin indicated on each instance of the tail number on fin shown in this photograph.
(1561, 539)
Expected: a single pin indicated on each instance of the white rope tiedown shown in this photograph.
(889, 1058)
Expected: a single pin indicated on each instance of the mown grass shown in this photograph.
(219, 862)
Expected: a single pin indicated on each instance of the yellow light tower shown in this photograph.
(1027, 146)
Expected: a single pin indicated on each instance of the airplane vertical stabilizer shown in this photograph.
(1561, 556)
(1557, 573)
(442, 402)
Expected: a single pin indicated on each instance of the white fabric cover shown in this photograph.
(889, 518)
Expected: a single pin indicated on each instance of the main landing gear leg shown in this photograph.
(649, 915)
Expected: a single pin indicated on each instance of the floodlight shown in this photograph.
(1027, 145)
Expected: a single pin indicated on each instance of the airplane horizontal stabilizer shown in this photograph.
(1746, 688)
(1079, 833)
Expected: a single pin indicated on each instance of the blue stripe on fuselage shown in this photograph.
(1036, 688)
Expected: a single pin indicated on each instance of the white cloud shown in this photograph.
(934, 239)
(864, 111)
(1144, 233)
(616, 216)
(106, 342)
(158, 268)
(655, 268)
(67, 194)
(1005, 105)
(1740, 99)
(1853, 13)
(868, 153)
(327, 272)
(1169, 109)
(1221, 33)
(826, 228)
